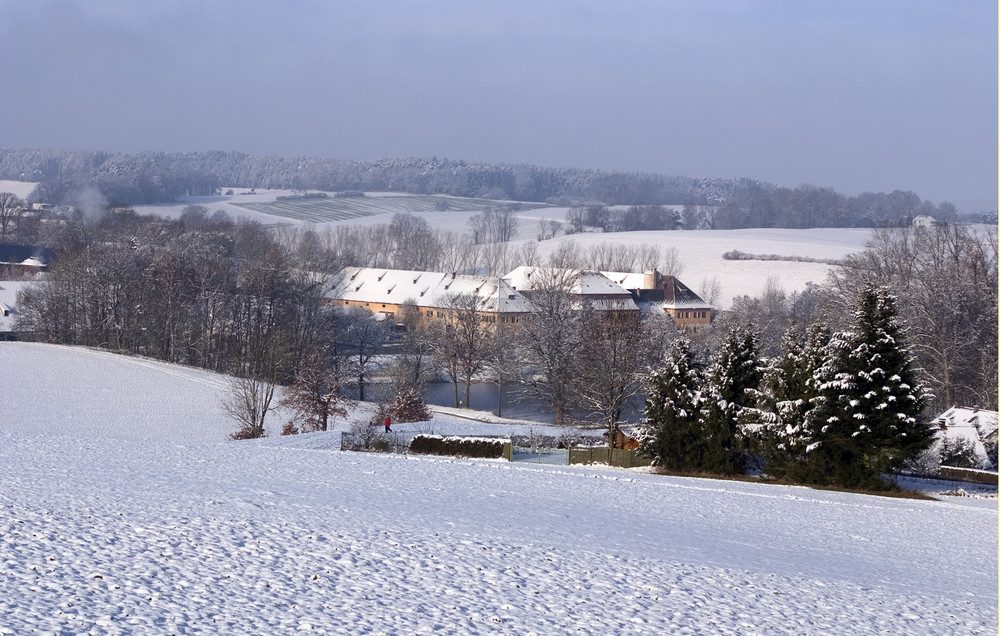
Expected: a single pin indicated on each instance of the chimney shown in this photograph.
(650, 279)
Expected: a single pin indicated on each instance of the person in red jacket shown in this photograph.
(388, 421)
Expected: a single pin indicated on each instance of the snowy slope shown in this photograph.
(110, 525)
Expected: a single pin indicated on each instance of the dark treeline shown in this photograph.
(809, 206)
(143, 178)
(161, 177)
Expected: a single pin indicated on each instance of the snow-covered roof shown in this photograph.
(584, 283)
(676, 295)
(8, 303)
(425, 289)
(627, 280)
(980, 420)
(969, 425)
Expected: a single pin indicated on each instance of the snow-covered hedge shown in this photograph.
(458, 446)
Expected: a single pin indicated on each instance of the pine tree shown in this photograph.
(670, 432)
(868, 419)
(732, 388)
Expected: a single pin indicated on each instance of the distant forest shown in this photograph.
(145, 178)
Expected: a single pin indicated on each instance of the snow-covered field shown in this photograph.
(122, 510)
(19, 188)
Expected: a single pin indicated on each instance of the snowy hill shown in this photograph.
(122, 511)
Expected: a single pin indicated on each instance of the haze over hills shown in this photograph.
(146, 178)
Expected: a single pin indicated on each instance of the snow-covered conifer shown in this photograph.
(732, 387)
(868, 419)
(670, 431)
(786, 434)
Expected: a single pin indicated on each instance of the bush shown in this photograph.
(457, 446)
(381, 443)
(247, 432)
(378, 419)
(363, 434)
(408, 406)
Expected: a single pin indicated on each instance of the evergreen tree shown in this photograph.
(732, 393)
(785, 434)
(868, 419)
(670, 431)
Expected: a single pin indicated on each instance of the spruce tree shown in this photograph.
(868, 419)
(669, 431)
(786, 436)
(732, 387)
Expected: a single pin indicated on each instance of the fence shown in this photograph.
(539, 455)
(373, 441)
(602, 455)
(969, 474)
(535, 449)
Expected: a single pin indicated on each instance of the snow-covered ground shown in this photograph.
(19, 188)
(122, 510)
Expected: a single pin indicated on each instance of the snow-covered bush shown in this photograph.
(409, 406)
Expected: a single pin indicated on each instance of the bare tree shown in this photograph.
(945, 281)
(314, 397)
(671, 263)
(414, 349)
(649, 256)
(504, 359)
(493, 225)
(362, 338)
(248, 401)
(471, 332)
(11, 210)
(550, 338)
(710, 290)
(612, 352)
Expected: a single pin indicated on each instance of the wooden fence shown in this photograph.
(602, 455)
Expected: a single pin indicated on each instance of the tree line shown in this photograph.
(710, 203)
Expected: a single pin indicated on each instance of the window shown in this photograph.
(430, 314)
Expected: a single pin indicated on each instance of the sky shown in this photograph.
(849, 94)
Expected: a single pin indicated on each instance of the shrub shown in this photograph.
(289, 428)
(247, 432)
(363, 434)
(457, 446)
(409, 406)
(381, 443)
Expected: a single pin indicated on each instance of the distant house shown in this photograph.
(971, 427)
(507, 299)
(924, 221)
(26, 258)
(653, 290)
(9, 314)
(384, 291)
(583, 286)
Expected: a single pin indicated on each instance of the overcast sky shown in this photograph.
(867, 95)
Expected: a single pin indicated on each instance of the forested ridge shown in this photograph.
(157, 177)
